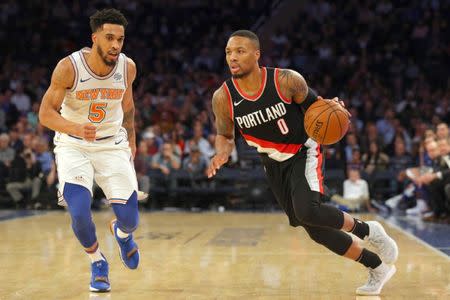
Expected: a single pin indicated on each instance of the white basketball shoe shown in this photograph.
(384, 245)
(377, 278)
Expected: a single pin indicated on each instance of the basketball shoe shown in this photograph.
(99, 278)
(385, 246)
(377, 278)
(128, 249)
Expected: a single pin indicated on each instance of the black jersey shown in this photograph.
(268, 120)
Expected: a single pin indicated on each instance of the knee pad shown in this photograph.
(127, 214)
(78, 199)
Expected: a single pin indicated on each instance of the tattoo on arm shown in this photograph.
(293, 85)
(224, 124)
(128, 124)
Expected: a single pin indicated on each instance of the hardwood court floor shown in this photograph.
(204, 256)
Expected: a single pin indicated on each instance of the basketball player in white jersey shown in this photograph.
(89, 105)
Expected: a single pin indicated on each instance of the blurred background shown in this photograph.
(387, 60)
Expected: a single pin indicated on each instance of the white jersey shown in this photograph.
(93, 98)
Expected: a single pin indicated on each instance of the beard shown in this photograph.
(241, 75)
(109, 63)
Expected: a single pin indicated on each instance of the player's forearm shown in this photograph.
(128, 124)
(310, 98)
(54, 121)
(224, 145)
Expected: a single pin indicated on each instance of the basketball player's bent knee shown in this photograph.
(127, 214)
(307, 213)
(309, 210)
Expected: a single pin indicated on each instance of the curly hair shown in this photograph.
(110, 16)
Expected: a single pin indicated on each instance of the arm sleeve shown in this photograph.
(311, 97)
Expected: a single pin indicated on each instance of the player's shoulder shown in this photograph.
(64, 72)
(129, 61)
(131, 67)
(65, 65)
(287, 72)
(221, 94)
(289, 77)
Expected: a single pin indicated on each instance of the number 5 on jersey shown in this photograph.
(97, 112)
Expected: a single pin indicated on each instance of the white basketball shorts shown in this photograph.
(108, 162)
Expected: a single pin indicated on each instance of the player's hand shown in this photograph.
(87, 132)
(336, 99)
(216, 162)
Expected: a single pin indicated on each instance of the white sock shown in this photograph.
(96, 256)
(121, 234)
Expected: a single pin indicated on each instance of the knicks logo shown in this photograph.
(102, 93)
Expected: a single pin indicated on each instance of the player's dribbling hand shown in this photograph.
(336, 99)
(216, 162)
(87, 131)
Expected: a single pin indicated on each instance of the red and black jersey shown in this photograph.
(268, 120)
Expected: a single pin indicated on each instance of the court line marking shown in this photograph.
(412, 236)
(196, 235)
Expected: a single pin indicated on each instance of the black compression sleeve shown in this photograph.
(310, 98)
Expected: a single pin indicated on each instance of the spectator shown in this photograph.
(442, 131)
(356, 193)
(386, 127)
(152, 142)
(14, 140)
(24, 175)
(203, 145)
(43, 155)
(355, 161)
(436, 182)
(370, 135)
(142, 165)
(21, 100)
(195, 163)
(32, 116)
(166, 160)
(352, 144)
(374, 160)
(11, 111)
(399, 163)
(6, 153)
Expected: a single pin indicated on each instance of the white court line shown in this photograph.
(412, 236)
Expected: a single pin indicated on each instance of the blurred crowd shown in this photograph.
(387, 60)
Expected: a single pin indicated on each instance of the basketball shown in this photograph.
(326, 122)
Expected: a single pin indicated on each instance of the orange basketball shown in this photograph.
(326, 122)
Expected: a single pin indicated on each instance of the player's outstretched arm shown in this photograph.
(49, 116)
(225, 131)
(128, 107)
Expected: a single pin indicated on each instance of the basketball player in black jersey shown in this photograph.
(267, 105)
